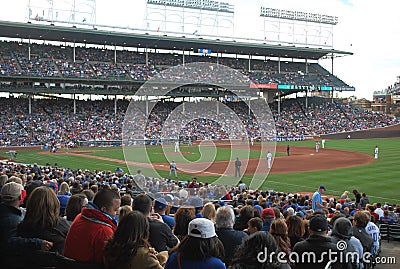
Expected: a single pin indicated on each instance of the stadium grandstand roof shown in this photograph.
(106, 37)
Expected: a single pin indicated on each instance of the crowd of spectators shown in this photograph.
(45, 60)
(104, 218)
(53, 122)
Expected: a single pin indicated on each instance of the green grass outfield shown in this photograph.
(378, 179)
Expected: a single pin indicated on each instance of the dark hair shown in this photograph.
(89, 194)
(296, 226)
(183, 216)
(256, 223)
(94, 188)
(142, 203)
(132, 232)
(126, 199)
(335, 216)
(197, 249)
(246, 213)
(74, 206)
(42, 210)
(361, 219)
(246, 254)
(279, 231)
(105, 198)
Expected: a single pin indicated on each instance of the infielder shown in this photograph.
(317, 147)
(323, 143)
(172, 169)
(269, 159)
(376, 152)
(177, 146)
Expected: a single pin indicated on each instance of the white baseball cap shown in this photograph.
(201, 228)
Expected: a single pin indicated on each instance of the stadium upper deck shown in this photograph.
(28, 62)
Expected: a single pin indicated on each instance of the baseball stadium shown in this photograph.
(185, 121)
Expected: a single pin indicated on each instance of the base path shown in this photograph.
(301, 159)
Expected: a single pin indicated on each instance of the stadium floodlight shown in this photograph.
(196, 4)
(298, 16)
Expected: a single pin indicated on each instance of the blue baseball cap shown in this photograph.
(322, 187)
(160, 203)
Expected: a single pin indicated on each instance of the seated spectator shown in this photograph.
(245, 214)
(318, 243)
(296, 229)
(63, 196)
(42, 219)
(279, 232)
(364, 201)
(74, 206)
(126, 199)
(360, 221)
(13, 249)
(229, 237)
(373, 230)
(378, 211)
(253, 225)
(392, 214)
(386, 218)
(123, 211)
(247, 254)
(129, 247)
(268, 216)
(343, 231)
(374, 216)
(197, 203)
(183, 217)
(160, 207)
(89, 194)
(209, 212)
(200, 249)
(93, 227)
(161, 237)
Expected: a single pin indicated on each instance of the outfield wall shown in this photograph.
(386, 132)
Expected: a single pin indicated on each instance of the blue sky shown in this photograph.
(369, 29)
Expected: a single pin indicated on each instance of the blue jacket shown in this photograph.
(12, 246)
(209, 263)
(231, 239)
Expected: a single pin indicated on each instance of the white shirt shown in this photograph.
(269, 156)
(373, 231)
(379, 211)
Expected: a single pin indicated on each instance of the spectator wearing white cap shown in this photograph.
(201, 248)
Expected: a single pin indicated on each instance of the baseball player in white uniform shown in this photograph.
(317, 147)
(172, 169)
(269, 159)
(177, 146)
(323, 143)
(376, 152)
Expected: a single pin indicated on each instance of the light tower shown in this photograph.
(297, 27)
(196, 17)
(64, 11)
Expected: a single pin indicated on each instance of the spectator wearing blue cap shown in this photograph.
(317, 199)
(160, 207)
